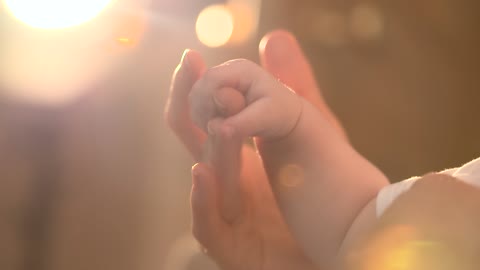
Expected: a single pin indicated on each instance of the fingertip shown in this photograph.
(196, 170)
(201, 170)
(202, 193)
(275, 35)
(195, 178)
(193, 54)
(191, 65)
(195, 62)
(182, 68)
(184, 74)
(277, 45)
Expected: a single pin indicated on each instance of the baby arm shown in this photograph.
(321, 183)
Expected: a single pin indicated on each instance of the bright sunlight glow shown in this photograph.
(215, 25)
(55, 14)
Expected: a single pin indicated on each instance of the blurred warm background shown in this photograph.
(92, 179)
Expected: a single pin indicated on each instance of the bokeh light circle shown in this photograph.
(55, 14)
(214, 25)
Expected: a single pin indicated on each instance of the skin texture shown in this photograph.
(320, 182)
(258, 238)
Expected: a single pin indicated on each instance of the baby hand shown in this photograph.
(272, 109)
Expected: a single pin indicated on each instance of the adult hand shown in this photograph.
(255, 237)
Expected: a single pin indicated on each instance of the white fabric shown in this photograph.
(469, 173)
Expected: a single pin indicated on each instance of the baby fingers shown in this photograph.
(221, 91)
(252, 102)
(228, 101)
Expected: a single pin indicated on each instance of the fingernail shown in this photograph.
(184, 62)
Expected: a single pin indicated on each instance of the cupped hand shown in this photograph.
(235, 216)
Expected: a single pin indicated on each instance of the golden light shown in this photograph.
(246, 15)
(402, 247)
(214, 25)
(55, 67)
(291, 176)
(55, 14)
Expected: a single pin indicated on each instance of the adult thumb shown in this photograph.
(282, 56)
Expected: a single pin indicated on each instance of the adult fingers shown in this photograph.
(282, 56)
(223, 152)
(177, 111)
(226, 159)
(208, 226)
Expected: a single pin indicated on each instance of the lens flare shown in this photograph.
(55, 14)
(291, 176)
(215, 25)
(246, 14)
(402, 247)
(55, 67)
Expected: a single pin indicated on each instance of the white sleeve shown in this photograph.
(469, 173)
(449, 171)
(390, 193)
